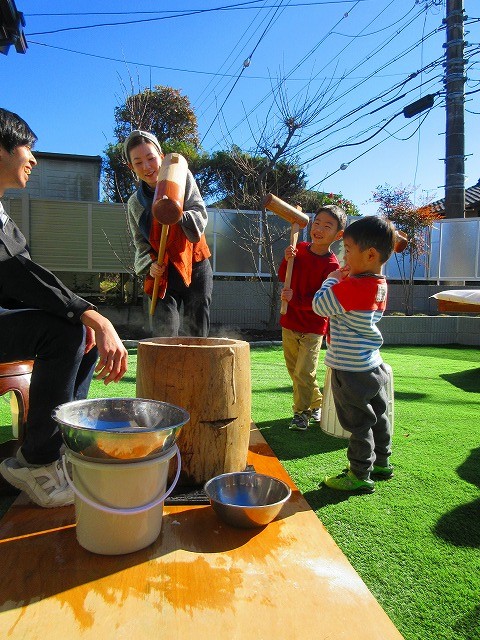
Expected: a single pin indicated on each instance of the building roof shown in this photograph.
(472, 200)
(48, 155)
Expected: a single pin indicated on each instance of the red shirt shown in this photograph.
(309, 272)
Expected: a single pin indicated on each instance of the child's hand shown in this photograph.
(286, 294)
(290, 252)
(339, 274)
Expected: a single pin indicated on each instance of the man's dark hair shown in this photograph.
(14, 131)
(336, 212)
(373, 231)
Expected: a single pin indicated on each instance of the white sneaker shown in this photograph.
(45, 486)
(316, 415)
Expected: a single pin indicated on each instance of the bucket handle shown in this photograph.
(132, 510)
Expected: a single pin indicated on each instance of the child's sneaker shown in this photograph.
(316, 415)
(299, 421)
(348, 481)
(382, 473)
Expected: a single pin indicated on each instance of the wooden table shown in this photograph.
(201, 579)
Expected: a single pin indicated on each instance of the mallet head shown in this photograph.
(285, 210)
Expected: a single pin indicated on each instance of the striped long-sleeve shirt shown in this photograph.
(354, 306)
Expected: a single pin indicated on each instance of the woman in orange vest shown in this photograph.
(186, 273)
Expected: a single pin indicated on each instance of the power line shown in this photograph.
(381, 96)
(303, 144)
(237, 6)
(278, 84)
(231, 54)
(140, 64)
(239, 76)
(246, 64)
(419, 131)
(332, 101)
(370, 55)
(176, 69)
(356, 66)
(171, 16)
(345, 165)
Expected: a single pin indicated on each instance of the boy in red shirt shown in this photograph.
(302, 329)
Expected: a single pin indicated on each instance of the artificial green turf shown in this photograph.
(416, 540)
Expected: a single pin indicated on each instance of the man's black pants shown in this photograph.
(62, 372)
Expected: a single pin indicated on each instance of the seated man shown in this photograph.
(42, 320)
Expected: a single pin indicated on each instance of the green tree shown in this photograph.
(242, 179)
(311, 201)
(162, 111)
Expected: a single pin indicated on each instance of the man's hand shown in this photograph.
(286, 294)
(89, 339)
(113, 356)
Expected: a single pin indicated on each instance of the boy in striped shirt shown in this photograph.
(354, 298)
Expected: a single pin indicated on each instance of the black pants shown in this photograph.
(361, 402)
(196, 300)
(62, 372)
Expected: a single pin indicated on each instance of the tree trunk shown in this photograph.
(209, 378)
(274, 317)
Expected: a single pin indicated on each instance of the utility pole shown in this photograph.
(455, 115)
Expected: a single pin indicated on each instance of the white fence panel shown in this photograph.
(92, 237)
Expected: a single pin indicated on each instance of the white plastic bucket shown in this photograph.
(329, 422)
(119, 507)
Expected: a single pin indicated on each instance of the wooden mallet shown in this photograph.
(401, 241)
(167, 206)
(298, 220)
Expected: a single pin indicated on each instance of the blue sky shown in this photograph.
(345, 58)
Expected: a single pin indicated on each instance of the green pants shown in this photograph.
(301, 351)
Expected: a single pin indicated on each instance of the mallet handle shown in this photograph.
(288, 276)
(161, 256)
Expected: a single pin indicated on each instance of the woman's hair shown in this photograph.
(14, 131)
(373, 231)
(138, 137)
(336, 212)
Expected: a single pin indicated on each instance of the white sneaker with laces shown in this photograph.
(316, 415)
(44, 485)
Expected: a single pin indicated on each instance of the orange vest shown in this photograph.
(179, 251)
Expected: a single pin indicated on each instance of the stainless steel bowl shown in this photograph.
(119, 429)
(247, 499)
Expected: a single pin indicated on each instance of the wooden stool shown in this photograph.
(15, 377)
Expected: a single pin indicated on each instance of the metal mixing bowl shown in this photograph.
(119, 429)
(247, 499)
